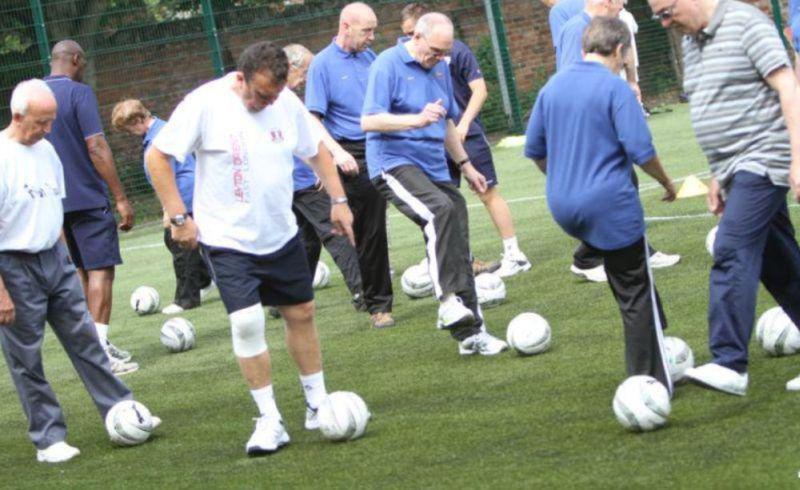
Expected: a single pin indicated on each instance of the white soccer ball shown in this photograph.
(679, 357)
(322, 276)
(343, 416)
(145, 300)
(129, 423)
(710, 238)
(416, 282)
(528, 333)
(641, 403)
(178, 334)
(777, 334)
(490, 288)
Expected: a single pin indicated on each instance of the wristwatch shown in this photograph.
(178, 219)
(338, 200)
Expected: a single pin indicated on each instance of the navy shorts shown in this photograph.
(276, 279)
(480, 155)
(92, 238)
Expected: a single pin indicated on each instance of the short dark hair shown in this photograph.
(264, 56)
(413, 10)
(604, 34)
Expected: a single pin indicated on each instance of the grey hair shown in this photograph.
(24, 92)
(296, 54)
(604, 34)
(429, 21)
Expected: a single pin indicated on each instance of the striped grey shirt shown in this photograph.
(736, 115)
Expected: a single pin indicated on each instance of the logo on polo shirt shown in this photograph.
(345, 77)
(410, 77)
(276, 135)
(438, 74)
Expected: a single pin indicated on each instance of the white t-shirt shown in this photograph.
(31, 190)
(243, 179)
(627, 17)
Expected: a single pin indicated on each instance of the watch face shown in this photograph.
(179, 220)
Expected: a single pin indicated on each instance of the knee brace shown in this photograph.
(247, 331)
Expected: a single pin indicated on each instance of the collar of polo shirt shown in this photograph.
(713, 24)
(405, 55)
(343, 53)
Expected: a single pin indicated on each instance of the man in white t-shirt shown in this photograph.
(244, 129)
(38, 281)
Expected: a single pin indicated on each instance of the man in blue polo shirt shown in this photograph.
(89, 225)
(585, 132)
(561, 11)
(408, 115)
(470, 93)
(335, 89)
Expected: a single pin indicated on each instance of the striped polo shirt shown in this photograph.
(735, 114)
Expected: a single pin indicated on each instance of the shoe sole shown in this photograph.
(258, 451)
(522, 269)
(465, 352)
(585, 276)
(708, 386)
(127, 371)
(464, 321)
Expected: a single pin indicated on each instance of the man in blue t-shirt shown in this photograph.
(89, 226)
(337, 80)
(470, 92)
(585, 133)
(408, 115)
(192, 281)
(561, 11)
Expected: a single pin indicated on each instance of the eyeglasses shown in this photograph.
(665, 14)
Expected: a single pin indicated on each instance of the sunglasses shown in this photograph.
(665, 14)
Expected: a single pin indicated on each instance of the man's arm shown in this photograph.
(452, 143)
(387, 123)
(542, 164)
(341, 217)
(166, 188)
(341, 157)
(476, 101)
(6, 305)
(103, 161)
(784, 82)
(654, 169)
(630, 73)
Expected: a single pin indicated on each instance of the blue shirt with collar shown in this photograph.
(560, 14)
(570, 44)
(335, 87)
(589, 126)
(400, 85)
(302, 175)
(794, 22)
(184, 171)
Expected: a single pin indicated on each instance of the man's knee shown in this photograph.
(298, 314)
(247, 331)
(442, 208)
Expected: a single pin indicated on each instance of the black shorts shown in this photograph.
(92, 238)
(276, 279)
(480, 155)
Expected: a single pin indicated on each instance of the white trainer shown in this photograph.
(117, 353)
(453, 313)
(312, 422)
(659, 260)
(269, 436)
(172, 309)
(718, 378)
(595, 274)
(207, 291)
(156, 421)
(121, 368)
(793, 384)
(57, 453)
(512, 265)
(482, 343)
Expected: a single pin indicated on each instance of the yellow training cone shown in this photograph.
(692, 187)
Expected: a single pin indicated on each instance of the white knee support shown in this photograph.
(247, 329)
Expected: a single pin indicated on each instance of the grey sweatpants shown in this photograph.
(44, 286)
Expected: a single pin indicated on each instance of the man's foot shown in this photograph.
(382, 320)
(172, 309)
(121, 368)
(511, 265)
(57, 453)
(453, 313)
(595, 274)
(659, 260)
(358, 302)
(479, 266)
(794, 384)
(118, 354)
(482, 343)
(207, 291)
(273, 312)
(718, 378)
(312, 422)
(268, 437)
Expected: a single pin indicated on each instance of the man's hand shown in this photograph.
(125, 211)
(476, 180)
(714, 198)
(165, 220)
(462, 130)
(794, 181)
(669, 191)
(342, 221)
(346, 163)
(432, 113)
(186, 235)
(6, 307)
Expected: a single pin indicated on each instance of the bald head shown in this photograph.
(33, 110)
(67, 58)
(432, 40)
(357, 24)
(299, 59)
(434, 23)
(357, 12)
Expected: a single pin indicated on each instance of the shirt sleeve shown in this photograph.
(308, 137)
(183, 132)
(763, 45)
(453, 112)
(631, 126)
(535, 136)
(468, 65)
(87, 112)
(317, 88)
(378, 99)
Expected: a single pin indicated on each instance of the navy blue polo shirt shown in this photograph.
(590, 127)
(302, 175)
(335, 87)
(400, 85)
(570, 44)
(184, 171)
(463, 70)
(78, 118)
(562, 12)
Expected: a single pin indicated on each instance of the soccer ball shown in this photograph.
(712, 235)
(679, 357)
(490, 289)
(178, 334)
(343, 416)
(777, 334)
(641, 403)
(416, 282)
(129, 423)
(322, 276)
(145, 300)
(528, 333)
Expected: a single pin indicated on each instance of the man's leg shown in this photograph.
(311, 242)
(780, 271)
(185, 264)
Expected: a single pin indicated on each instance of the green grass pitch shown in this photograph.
(439, 421)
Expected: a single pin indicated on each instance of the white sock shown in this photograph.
(102, 333)
(265, 399)
(314, 388)
(510, 245)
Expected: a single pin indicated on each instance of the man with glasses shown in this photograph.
(408, 115)
(745, 107)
